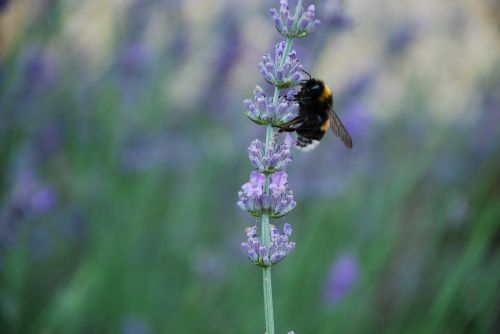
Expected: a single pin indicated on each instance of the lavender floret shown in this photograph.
(288, 75)
(250, 194)
(279, 246)
(263, 111)
(282, 201)
(277, 204)
(286, 24)
(270, 160)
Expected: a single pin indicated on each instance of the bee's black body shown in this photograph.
(316, 115)
(315, 101)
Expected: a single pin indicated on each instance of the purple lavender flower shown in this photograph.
(279, 246)
(281, 198)
(271, 159)
(134, 60)
(298, 24)
(277, 203)
(288, 75)
(334, 14)
(401, 38)
(343, 275)
(43, 200)
(358, 119)
(40, 70)
(263, 111)
(267, 195)
(250, 194)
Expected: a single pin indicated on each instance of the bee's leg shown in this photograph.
(288, 127)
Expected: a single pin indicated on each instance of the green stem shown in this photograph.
(266, 275)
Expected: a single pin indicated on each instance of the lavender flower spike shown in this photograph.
(297, 25)
(267, 194)
(262, 110)
(278, 249)
(288, 75)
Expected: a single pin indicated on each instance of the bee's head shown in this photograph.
(317, 89)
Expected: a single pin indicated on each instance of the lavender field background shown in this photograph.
(123, 146)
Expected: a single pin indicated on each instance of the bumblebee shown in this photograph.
(316, 115)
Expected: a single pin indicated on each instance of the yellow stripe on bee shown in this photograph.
(327, 93)
(325, 125)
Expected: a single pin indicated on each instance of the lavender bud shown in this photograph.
(249, 252)
(276, 257)
(262, 251)
(251, 193)
(252, 231)
(287, 25)
(275, 16)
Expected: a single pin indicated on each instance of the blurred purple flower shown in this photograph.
(357, 118)
(180, 44)
(134, 59)
(29, 196)
(219, 101)
(174, 150)
(231, 44)
(358, 86)
(43, 200)
(344, 273)
(39, 70)
(47, 141)
(400, 38)
(335, 15)
(134, 325)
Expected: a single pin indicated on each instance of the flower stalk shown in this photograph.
(267, 195)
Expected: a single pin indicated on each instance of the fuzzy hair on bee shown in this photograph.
(316, 116)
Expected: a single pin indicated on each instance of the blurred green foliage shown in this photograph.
(123, 145)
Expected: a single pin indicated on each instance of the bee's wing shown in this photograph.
(339, 129)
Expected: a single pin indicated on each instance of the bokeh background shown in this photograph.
(123, 146)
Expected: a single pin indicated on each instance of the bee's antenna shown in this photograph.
(307, 73)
